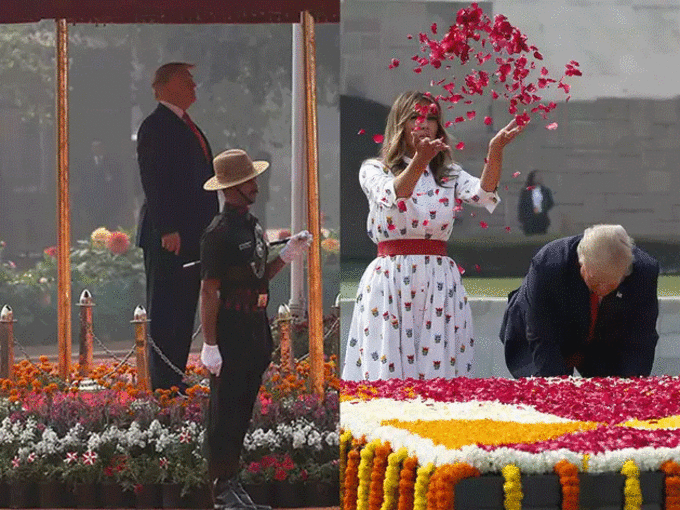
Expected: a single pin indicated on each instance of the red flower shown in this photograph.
(280, 475)
(254, 467)
(51, 251)
(118, 243)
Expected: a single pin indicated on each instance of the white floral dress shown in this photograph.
(411, 318)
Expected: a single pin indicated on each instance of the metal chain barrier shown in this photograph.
(189, 378)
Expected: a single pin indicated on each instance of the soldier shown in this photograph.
(235, 274)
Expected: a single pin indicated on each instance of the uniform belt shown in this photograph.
(411, 247)
(245, 300)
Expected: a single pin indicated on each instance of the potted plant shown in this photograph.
(23, 474)
(83, 472)
(257, 477)
(322, 487)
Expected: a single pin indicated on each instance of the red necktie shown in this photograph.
(594, 306)
(198, 134)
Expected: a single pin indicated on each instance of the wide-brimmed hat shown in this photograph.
(233, 167)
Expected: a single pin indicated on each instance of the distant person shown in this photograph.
(534, 203)
(175, 160)
(411, 318)
(98, 192)
(589, 302)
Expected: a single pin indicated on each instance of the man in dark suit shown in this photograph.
(174, 161)
(588, 302)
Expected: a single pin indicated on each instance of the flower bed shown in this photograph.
(411, 443)
(120, 436)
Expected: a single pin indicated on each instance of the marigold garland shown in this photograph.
(442, 490)
(512, 487)
(375, 496)
(423, 476)
(349, 501)
(568, 474)
(632, 495)
(672, 484)
(345, 441)
(407, 478)
(365, 468)
(391, 482)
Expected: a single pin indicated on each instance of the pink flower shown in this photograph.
(185, 437)
(163, 462)
(118, 243)
(51, 251)
(16, 462)
(71, 457)
(89, 457)
(552, 126)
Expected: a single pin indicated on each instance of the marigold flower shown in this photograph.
(118, 243)
(99, 237)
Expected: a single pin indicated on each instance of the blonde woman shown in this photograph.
(411, 318)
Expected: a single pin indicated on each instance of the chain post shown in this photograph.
(7, 343)
(140, 322)
(284, 319)
(86, 332)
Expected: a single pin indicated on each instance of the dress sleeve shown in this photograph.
(378, 183)
(469, 190)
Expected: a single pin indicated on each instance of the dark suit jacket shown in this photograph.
(533, 223)
(547, 319)
(173, 169)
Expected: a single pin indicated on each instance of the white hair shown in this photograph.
(606, 250)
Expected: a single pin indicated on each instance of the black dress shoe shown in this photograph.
(245, 497)
(226, 498)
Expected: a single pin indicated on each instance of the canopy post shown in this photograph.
(315, 310)
(63, 206)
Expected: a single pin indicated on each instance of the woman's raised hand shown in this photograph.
(427, 148)
(507, 134)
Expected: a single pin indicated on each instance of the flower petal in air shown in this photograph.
(460, 146)
(552, 126)
(361, 131)
(516, 174)
(488, 120)
(378, 138)
(483, 224)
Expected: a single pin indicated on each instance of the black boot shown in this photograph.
(225, 496)
(245, 497)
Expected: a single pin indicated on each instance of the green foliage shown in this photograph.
(116, 282)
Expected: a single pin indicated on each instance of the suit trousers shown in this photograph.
(172, 296)
(245, 345)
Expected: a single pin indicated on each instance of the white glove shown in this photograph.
(211, 358)
(296, 245)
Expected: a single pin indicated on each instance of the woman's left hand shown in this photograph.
(507, 134)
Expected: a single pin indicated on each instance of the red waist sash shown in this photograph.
(411, 247)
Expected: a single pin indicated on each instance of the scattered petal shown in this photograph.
(433, 28)
(362, 131)
(483, 224)
(516, 174)
(478, 268)
(461, 270)
(418, 70)
(507, 229)
(378, 138)
(552, 126)
(394, 63)
(460, 146)
(471, 114)
(488, 120)
(409, 36)
(448, 123)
